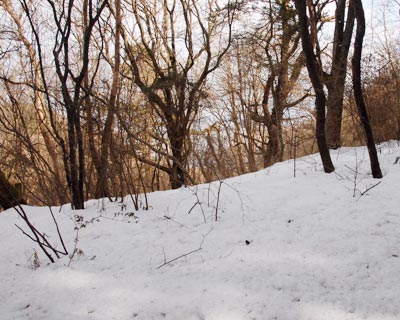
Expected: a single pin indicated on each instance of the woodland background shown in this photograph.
(109, 98)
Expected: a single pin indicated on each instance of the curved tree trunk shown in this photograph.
(357, 88)
(314, 74)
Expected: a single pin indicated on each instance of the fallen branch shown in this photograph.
(177, 258)
(39, 237)
(170, 219)
(166, 262)
(369, 188)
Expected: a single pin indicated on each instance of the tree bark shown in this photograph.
(357, 88)
(335, 81)
(334, 115)
(177, 174)
(314, 74)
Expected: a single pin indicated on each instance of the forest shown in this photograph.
(101, 99)
(199, 159)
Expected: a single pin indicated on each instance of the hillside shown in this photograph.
(312, 247)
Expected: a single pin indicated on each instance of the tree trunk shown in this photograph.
(335, 81)
(177, 174)
(274, 147)
(176, 177)
(75, 160)
(314, 74)
(357, 88)
(273, 122)
(102, 189)
(334, 114)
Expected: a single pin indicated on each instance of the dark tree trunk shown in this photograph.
(177, 176)
(314, 74)
(273, 122)
(357, 88)
(334, 114)
(177, 173)
(335, 81)
(76, 159)
(274, 145)
(71, 88)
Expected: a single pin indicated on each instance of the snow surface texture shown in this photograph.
(283, 248)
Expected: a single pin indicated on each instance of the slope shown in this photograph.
(310, 247)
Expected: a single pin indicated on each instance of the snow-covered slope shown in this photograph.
(312, 247)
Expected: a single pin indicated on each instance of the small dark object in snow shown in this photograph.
(395, 255)
(247, 242)
(290, 221)
(397, 160)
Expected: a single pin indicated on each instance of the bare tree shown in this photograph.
(70, 76)
(280, 41)
(170, 62)
(23, 91)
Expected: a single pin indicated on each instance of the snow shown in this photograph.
(283, 248)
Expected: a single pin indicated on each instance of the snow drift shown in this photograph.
(312, 247)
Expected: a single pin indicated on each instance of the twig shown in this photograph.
(340, 176)
(181, 256)
(219, 191)
(239, 194)
(38, 237)
(58, 231)
(75, 246)
(355, 171)
(45, 244)
(191, 209)
(198, 203)
(369, 188)
(113, 219)
(185, 254)
(165, 256)
(169, 218)
(36, 234)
